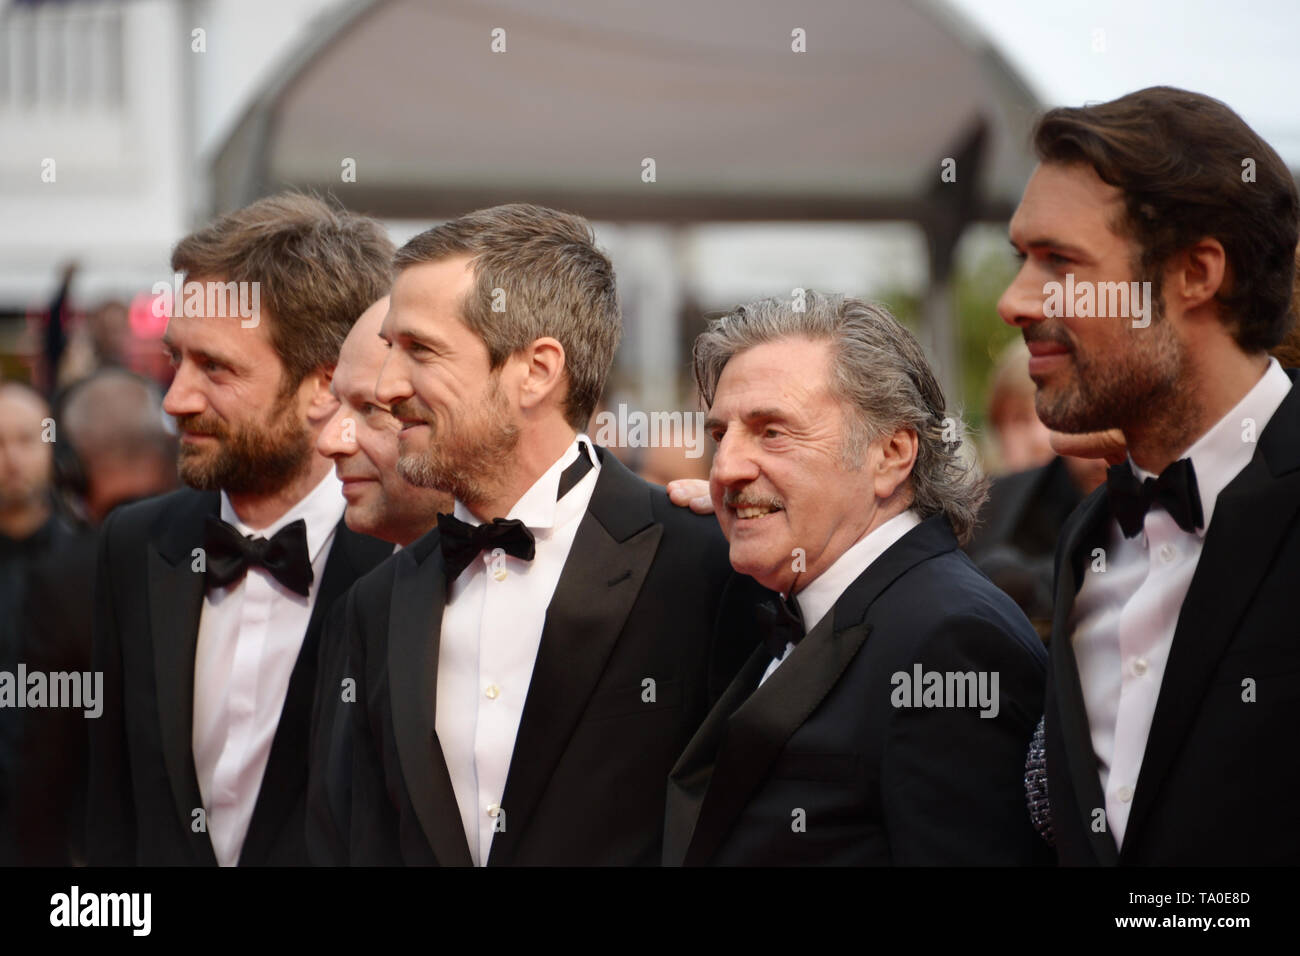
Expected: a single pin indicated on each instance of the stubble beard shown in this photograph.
(1142, 383)
(466, 459)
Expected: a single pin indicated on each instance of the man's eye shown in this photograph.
(771, 433)
(1057, 260)
(211, 366)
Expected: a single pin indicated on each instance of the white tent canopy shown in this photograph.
(738, 124)
(442, 107)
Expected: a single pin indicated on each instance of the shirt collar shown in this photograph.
(1221, 453)
(537, 508)
(321, 508)
(820, 594)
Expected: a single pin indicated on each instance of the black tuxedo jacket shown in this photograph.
(144, 788)
(817, 765)
(636, 602)
(1219, 776)
(329, 775)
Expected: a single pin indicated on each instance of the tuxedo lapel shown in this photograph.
(175, 605)
(414, 630)
(757, 732)
(1251, 517)
(607, 564)
(689, 780)
(1086, 530)
(351, 555)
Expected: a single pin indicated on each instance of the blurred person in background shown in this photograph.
(100, 340)
(1015, 542)
(29, 529)
(113, 448)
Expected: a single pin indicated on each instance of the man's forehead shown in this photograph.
(438, 286)
(1060, 188)
(357, 371)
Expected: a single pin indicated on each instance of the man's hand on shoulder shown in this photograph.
(692, 493)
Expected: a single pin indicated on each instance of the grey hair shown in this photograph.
(879, 370)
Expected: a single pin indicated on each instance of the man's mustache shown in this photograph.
(1039, 332)
(407, 409)
(198, 425)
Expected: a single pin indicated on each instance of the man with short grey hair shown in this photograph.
(885, 716)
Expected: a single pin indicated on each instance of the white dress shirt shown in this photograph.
(491, 630)
(1123, 620)
(249, 637)
(819, 595)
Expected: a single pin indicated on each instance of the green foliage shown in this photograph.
(977, 285)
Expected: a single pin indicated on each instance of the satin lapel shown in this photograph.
(1251, 518)
(758, 731)
(351, 555)
(414, 629)
(1087, 525)
(611, 555)
(689, 780)
(176, 593)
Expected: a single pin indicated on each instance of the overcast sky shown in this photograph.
(1244, 52)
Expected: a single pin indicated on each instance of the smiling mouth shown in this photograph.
(751, 512)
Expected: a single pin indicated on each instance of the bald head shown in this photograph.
(362, 440)
(114, 421)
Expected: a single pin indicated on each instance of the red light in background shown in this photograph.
(145, 324)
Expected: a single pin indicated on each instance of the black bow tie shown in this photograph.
(228, 554)
(462, 542)
(780, 622)
(1175, 491)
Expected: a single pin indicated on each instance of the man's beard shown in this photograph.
(1141, 382)
(464, 459)
(248, 459)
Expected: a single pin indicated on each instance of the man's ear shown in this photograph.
(541, 371)
(892, 465)
(315, 390)
(1200, 272)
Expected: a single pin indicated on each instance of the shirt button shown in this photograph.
(1168, 552)
(492, 691)
(1140, 666)
(1125, 793)
(494, 810)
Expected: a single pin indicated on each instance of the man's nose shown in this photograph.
(1021, 303)
(733, 464)
(339, 436)
(182, 397)
(394, 384)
